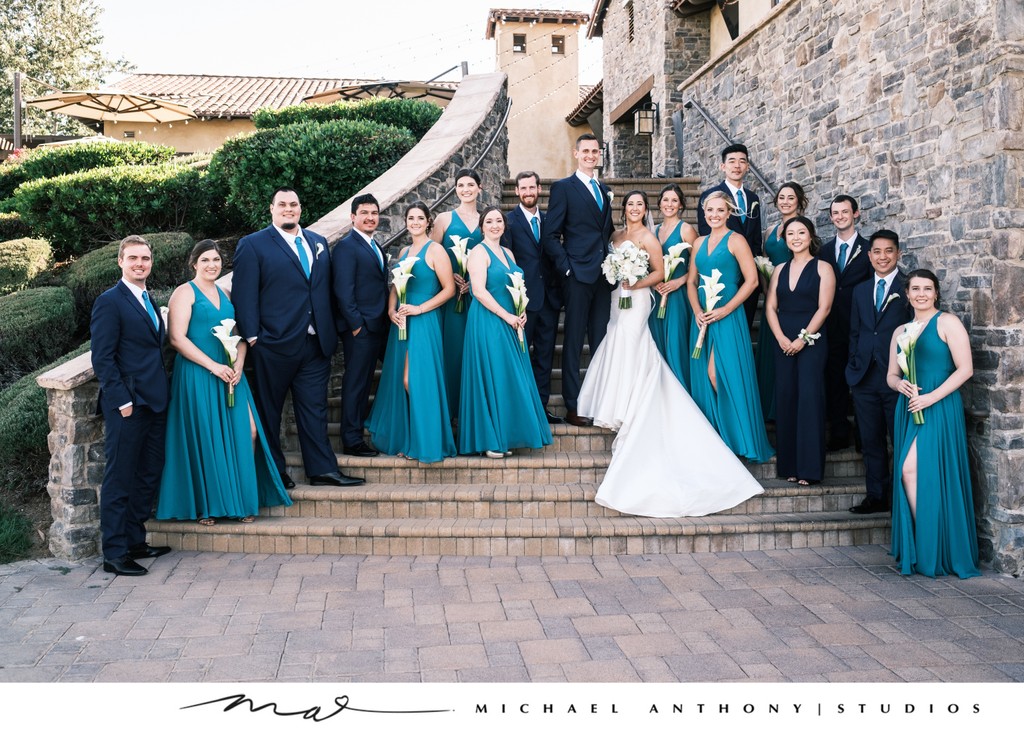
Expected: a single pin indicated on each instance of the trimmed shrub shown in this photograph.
(12, 227)
(20, 261)
(325, 162)
(95, 272)
(81, 211)
(414, 115)
(24, 455)
(55, 161)
(36, 326)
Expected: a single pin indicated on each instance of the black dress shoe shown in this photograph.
(360, 449)
(287, 481)
(554, 419)
(581, 422)
(123, 566)
(335, 478)
(870, 506)
(144, 551)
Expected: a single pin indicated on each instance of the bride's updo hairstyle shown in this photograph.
(628, 196)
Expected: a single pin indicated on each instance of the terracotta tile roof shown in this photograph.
(589, 102)
(228, 96)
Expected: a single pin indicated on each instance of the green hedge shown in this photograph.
(20, 261)
(414, 115)
(81, 211)
(24, 455)
(36, 326)
(95, 272)
(58, 160)
(325, 162)
(12, 227)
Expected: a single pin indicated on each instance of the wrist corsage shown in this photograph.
(808, 338)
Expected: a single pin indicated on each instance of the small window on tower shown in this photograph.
(558, 44)
(518, 43)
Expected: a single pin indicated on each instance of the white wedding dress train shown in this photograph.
(667, 459)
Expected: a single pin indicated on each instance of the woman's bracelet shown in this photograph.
(808, 338)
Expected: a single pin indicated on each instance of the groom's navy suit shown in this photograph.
(360, 287)
(576, 233)
(544, 291)
(874, 404)
(277, 304)
(127, 356)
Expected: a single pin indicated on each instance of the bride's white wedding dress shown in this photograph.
(667, 460)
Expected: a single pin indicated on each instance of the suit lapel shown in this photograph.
(289, 251)
(138, 308)
(583, 190)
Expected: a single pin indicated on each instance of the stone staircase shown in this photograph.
(534, 503)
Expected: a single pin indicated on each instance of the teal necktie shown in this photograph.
(149, 309)
(303, 257)
(376, 251)
(597, 194)
(843, 248)
(879, 294)
(535, 225)
(741, 201)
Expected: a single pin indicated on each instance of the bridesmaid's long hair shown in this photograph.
(801, 197)
(927, 275)
(815, 242)
(674, 187)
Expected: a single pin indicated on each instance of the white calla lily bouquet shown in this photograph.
(400, 277)
(222, 332)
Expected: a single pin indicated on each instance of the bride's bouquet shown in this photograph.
(628, 263)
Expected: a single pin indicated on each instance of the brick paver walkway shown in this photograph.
(818, 615)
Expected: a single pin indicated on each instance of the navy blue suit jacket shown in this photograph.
(857, 270)
(273, 299)
(575, 232)
(750, 229)
(541, 278)
(871, 331)
(360, 285)
(127, 352)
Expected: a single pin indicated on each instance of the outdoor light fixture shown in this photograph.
(645, 119)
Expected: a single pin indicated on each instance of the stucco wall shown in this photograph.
(194, 137)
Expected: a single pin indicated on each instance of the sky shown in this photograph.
(367, 39)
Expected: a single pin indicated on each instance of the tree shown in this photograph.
(55, 41)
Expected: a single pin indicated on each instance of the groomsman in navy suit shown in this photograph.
(747, 220)
(522, 236)
(848, 256)
(281, 289)
(575, 234)
(127, 356)
(879, 307)
(361, 299)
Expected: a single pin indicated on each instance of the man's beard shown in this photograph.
(289, 225)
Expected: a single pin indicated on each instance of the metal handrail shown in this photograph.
(479, 159)
(692, 103)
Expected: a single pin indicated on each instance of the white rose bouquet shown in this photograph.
(626, 263)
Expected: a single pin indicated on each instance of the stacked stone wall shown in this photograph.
(915, 108)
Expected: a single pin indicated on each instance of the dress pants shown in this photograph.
(541, 332)
(361, 355)
(587, 309)
(874, 405)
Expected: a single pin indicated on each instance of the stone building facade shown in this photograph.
(916, 108)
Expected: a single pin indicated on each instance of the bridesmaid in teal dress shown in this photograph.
(410, 415)
(672, 333)
(501, 409)
(790, 201)
(218, 463)
(460, 222)
(722, 379)
(933, 531)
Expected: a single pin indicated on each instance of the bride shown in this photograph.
(667, 460)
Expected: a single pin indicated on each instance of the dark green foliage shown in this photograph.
(24, 455)
(36, 326)
(15, 535)
(414, 115)
(80, 211)
(20, 261)
(95, 272)
(55, 161)
(12, 227)
(325, 162)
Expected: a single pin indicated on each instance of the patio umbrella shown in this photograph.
(112, 106)
(440, 93)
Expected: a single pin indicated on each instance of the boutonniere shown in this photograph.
(856, 252)
(752, 212)
(164, 311)
(611, 196)
(319, 249)
(890, 299)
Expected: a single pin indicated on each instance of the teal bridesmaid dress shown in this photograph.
(453, 323)
(735, 409)
(210, 469)
(671, 334)
(943, 540)
(416, 423)
(500, 408)
(776, 250)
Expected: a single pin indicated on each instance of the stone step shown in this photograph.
(501, 537)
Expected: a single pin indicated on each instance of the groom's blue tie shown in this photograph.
(597, 194)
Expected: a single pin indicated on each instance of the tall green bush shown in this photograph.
(36, 326)
(58, 160)
(20, 261)
(81, 211)
(414, 115)
(325, 162)
(12, 227)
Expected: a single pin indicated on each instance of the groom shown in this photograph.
(575, 235)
